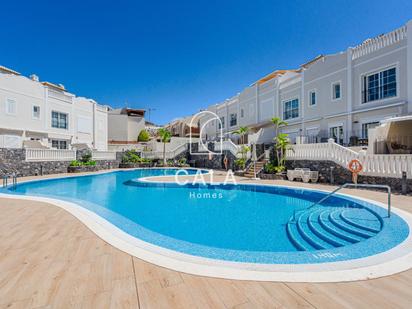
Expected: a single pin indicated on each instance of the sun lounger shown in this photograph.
(305, 174)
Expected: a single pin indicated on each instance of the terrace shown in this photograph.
(49, 258)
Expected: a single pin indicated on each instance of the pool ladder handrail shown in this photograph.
(6, 180)
(349, 184)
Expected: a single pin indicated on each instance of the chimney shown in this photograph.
(34, 77)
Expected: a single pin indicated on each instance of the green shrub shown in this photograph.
(131, 156)
(90, 163)
(144, 160)
(272, 168)
(86, 157)
(143, 136)
(241, 163)
(75, 163)
(81, 163)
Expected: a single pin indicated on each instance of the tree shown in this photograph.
(241, 162)
(277, 123)
(143, 136)
(282, 143)
(165, 137)
(242, 131)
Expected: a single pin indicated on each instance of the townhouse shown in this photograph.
(338, 96)
(39, 114)
(184, 127)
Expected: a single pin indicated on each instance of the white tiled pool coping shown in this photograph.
(393, 261)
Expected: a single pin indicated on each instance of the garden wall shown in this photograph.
(14, 160)
(330, 172)
(202, 160)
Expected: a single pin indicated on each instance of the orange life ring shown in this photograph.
(355, 166)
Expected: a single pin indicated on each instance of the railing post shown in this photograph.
(404, 183)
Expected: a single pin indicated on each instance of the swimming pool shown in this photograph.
(250, 224)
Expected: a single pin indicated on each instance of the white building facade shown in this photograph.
(36, 113)
(340, 95)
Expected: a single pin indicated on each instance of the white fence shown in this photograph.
(379, 42)
(33, 155)
(230, 146)
(103, 155)
(169, 154)
(373, 165)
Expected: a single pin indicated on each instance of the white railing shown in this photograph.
(379, 42)
(203, 147)
(228, 146)
(169, 154)
(103, 155)
(59, 96)
(386, 165)
(177, 151)
(254, 137)
(373, 165)
(33, 154)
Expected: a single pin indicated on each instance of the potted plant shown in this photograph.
(131, 159)
(85, 164)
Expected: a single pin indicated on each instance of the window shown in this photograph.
(11, 107)
(59, 144)
(312, 98)
(36, 112)
(291, 109)
(233, 120)
(336, 91)
(336, 132)
(367, 126)
(242, 113)
(379, 85)
(222, 123)
(59, 120)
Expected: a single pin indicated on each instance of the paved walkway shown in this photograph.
(48, 259)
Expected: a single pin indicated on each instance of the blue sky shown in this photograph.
(179, 56)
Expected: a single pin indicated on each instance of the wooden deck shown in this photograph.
(48, 259)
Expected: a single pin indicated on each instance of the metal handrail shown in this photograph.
(350, 185)
(253, 162)
(6, 178)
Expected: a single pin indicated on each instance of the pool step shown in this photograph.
(335, 218)
(361, 221)
(329, 227)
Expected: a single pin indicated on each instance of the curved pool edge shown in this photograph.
(393, 261)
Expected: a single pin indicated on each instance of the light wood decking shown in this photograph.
(48, 259)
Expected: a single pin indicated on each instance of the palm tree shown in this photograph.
(281, 141)
(282, 145)
(278, 122)
(165, 136)
(242, 131)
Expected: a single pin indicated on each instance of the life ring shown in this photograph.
(355, 166)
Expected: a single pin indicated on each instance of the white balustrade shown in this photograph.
(169, 154)
(373, 165)
(103, 155)
(379, 42)
(33, 154)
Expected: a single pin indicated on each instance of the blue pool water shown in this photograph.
(247, 223)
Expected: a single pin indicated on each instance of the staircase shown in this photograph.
(327, 227)
(250, 172)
